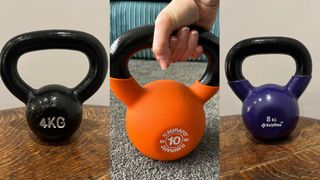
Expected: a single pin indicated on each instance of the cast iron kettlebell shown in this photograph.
(53, 112)
(270, 112)
(165, 119)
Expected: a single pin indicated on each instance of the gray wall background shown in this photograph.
(54, 66)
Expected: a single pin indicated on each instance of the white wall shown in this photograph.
(293, 18)
(54, 66)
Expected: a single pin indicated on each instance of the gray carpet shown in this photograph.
(129, 163)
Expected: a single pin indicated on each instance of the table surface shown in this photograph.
(243, 157)
(84, 156)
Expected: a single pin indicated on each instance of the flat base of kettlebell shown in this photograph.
(55, 142)
(271, 141)
(253, 158)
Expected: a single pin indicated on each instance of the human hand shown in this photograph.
(169, 48)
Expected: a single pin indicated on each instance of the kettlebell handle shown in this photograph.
(142, 37)
(54, 39)
(267, 45)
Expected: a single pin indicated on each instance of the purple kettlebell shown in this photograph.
(270, 111)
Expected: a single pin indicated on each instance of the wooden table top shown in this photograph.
(84, 156)
(243, 157)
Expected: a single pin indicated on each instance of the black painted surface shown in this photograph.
(267, 45)
(54, 112)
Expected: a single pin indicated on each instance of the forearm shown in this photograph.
(180, 13)
(207, 12)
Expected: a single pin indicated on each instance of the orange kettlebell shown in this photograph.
(165, 119)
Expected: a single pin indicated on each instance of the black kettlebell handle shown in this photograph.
(267, 45)
(142, 37)
(54, 39)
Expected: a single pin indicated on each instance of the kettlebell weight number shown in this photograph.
(271, 122)
(174, 140)
(53, 122)
(269, 119)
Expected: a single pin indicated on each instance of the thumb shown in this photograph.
(161, 47)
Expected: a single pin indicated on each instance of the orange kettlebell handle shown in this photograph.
(141, 38)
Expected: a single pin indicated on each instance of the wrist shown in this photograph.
(209, 3)
(180, 13)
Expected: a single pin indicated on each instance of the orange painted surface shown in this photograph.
(165, 119)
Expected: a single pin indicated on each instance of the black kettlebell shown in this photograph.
(54, 112)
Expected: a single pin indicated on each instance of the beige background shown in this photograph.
(54, 66)
(293, 18)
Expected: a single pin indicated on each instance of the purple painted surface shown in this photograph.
(270, 112)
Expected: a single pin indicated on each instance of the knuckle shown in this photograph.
(158, 50)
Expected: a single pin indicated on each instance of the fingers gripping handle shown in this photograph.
(141, 38)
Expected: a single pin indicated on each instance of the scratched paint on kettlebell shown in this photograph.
(174, 140)
(53, 122)
(271, 123)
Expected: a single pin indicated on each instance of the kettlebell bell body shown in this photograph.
(52, 109)
(54, 112)
(165, 119)
(270, 111)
